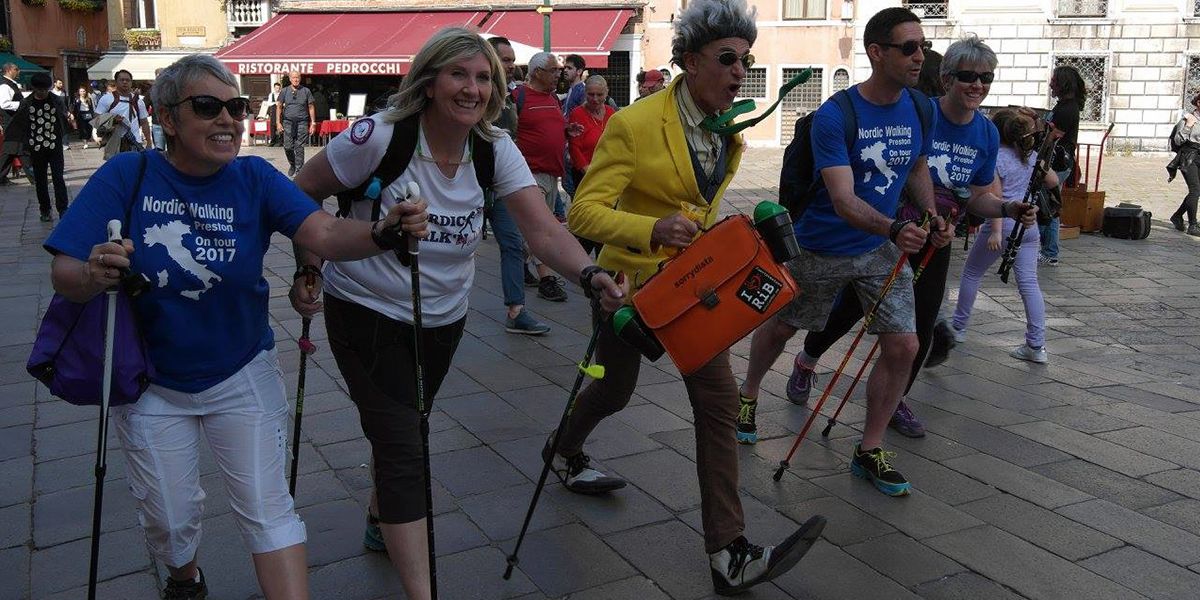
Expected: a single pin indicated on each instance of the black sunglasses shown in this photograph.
(970, 76)
(910, 47)
(209, 107)
(729, 57)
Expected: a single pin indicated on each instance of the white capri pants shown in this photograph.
(244, 419)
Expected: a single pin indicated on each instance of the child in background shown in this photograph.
(1014, 166)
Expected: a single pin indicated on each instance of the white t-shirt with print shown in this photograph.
(124, 107)
(381, 283)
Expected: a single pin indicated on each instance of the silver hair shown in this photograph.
(169, 86)
(541, 59)
(595, 80)
(968, 50)
(704, 21)
(8, 67)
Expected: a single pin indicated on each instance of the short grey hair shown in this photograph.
(168, 88)
(704, 21)
(968, 50)
(8, 67)
(541, 59)
(595, 80)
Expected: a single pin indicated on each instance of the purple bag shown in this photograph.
(68, 354)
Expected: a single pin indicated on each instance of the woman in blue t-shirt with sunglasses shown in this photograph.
(199, 224)
(962, 164)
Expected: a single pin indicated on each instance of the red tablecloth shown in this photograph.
(331, 128)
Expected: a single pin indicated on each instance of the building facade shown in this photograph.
(1139, 58)
(62, 36)
(146, 35)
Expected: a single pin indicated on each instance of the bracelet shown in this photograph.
(897, 226)
(585, 279)
(307, 270)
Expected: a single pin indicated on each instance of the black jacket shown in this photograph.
(18, 128)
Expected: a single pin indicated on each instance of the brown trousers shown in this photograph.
(714, 397)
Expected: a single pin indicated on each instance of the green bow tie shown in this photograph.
(720, 124)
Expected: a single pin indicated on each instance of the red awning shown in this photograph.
(384, 43)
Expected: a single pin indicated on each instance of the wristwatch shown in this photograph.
(897, 227)
(585, 279)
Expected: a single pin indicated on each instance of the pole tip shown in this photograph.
(828, 428)
(783, 465)
(512, 562)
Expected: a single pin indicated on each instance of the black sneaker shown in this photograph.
(747, 430)
(550, 289)
(185, 590)
(941, 345)
(45, 218)
(874, 466)
(1177, 221)
(531, 280)
(742, 565)
(577, 474)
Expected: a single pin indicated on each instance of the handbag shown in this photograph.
(715, 292)
(68, 353)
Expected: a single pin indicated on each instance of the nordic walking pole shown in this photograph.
(858, 376)
(595, 372)
(412, 257)
(306, 348)
(887, 285)
(110, 327)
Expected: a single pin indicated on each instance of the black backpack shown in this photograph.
(395, 160)
(798, 180)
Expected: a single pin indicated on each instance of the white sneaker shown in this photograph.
(742, 565)
(1025, 352)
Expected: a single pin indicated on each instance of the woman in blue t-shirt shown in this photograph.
(962, 164)
(199, 221)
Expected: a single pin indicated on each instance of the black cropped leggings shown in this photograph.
(374, 354)
(1191, 176)
(927, 290)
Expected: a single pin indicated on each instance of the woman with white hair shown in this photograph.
(447, 102)
(676, 168)
(198, 221)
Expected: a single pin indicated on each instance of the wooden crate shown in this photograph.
(1068, 232)
(1083, 209)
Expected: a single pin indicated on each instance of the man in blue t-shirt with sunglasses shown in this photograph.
(849, 233)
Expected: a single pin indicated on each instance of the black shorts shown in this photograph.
(375, 355)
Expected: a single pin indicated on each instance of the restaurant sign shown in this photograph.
(340, 67)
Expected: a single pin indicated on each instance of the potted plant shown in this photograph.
(5, 43)
(34, 2)
(81, 5)
(143, 39)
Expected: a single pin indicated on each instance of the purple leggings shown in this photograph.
(979, 262)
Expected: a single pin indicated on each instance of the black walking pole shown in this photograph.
(110, 326)
(306, 348)
(593, 371)
(411, 258)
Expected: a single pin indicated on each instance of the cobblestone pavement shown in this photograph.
(1080, 479)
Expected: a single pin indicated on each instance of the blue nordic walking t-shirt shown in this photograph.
(962, 155)
(201, 241)
(889, 141)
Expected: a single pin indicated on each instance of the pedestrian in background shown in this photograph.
(40, 125)
(297, 120)
(129, 110)
(1069, 88)
(84, 108)
(10, 99)
(1185, 140)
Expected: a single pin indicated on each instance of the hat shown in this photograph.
(653, 76)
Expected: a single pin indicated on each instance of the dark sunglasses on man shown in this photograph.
(910, 47)
(209, 107)
(971, 76)
(729, 57)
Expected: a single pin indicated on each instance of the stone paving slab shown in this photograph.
(1077, 478)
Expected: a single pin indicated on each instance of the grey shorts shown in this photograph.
(821, 277)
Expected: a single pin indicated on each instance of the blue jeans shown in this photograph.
(512, 254)
(1049, 234)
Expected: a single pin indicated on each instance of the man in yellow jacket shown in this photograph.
(656, 177)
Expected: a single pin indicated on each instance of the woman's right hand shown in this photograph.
(306, 299)
(105, 263)
(993, 241)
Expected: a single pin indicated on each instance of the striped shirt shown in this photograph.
(705, 144)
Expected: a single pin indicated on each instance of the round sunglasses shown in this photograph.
(209, 107)
(971, 76)
(729, 57)
(910, 47)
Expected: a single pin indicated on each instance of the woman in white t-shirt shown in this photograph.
(452, 93)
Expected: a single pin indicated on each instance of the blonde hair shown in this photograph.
(446, 47)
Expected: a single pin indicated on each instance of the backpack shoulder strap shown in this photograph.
(924, 111)
(399, 153)
(849, 116)
(483, 155)
(133, 194)
(520, 98)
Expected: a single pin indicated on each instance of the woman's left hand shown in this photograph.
(411, 215)
(610, 293)
(574, 129)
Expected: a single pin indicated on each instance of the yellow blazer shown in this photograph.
(641, 172)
